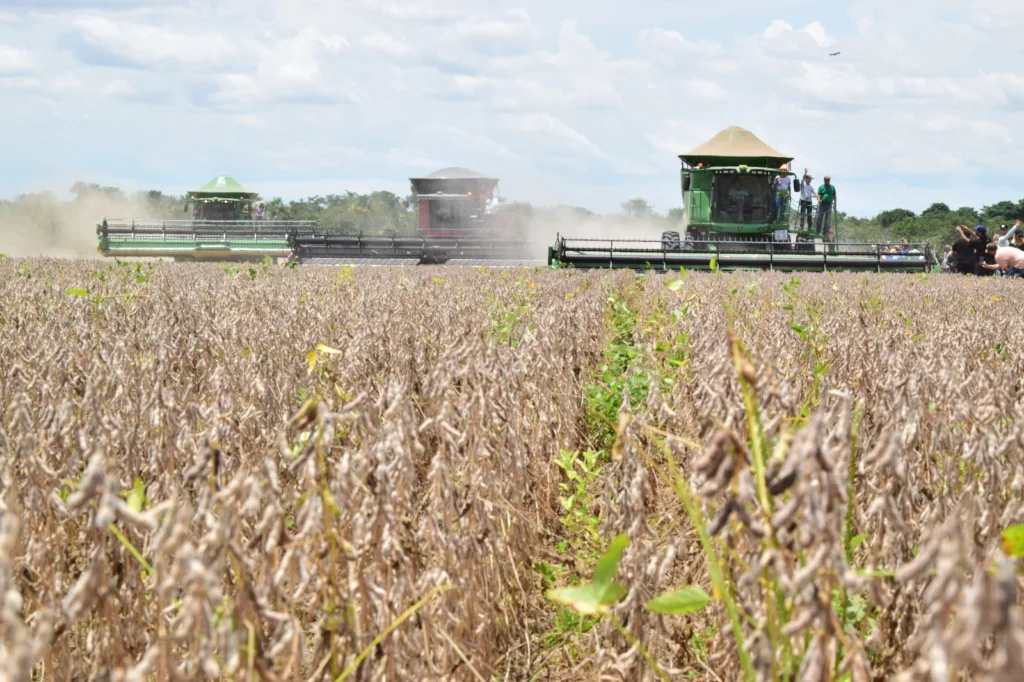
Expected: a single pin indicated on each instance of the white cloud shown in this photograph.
(286, 68)
(147, 44)
(13, 60)
(555, 132)
(565, 100)
(387, 44)
(781, 38)
(479, 141)
(702, 89)
(675, 42)
(515, 26)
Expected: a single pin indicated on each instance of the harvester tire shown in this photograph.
(670, 241)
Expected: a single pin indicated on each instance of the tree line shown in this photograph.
(383, 209)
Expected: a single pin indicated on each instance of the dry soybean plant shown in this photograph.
(378, 473)
(275, 474)
(837, 458)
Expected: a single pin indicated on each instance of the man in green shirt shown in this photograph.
(826, 204)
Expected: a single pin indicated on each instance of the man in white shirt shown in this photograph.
(807, 194)
(1004, 235)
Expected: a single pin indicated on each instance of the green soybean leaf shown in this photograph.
(590, 600)
(137, 496)
(1013, 540)
(679, 602)
(608, 565)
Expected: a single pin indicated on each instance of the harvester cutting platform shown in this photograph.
(736, 195)
(228, 223)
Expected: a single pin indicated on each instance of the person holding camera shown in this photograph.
(1007, 259)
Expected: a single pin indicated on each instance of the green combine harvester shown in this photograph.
(228, 223)
(729, 187)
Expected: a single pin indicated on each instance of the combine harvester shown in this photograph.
(461, 222)
(227, 224)
(729, 191)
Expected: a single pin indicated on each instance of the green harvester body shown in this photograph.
(227, 224)
(730, 186)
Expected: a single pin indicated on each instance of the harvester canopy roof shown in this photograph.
(455, 181)
(224, 186)
(735, 146)
(456, 173)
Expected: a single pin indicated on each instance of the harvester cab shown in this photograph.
(461, 202)
(737, 188)
(224, 199)
(228, 222)
(738, 201)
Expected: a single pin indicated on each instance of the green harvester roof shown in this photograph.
(224, 186)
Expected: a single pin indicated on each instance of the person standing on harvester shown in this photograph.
(807, 194)
(826, 204)
(782, 182)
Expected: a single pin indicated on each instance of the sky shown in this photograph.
(568, 102)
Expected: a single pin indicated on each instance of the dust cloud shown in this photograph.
(546, 225)
(42, 225)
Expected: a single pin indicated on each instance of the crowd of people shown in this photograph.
(975, 253)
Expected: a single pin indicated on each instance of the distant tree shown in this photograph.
(892, 216)
(637, 208)
(965, 215)
(84, 190)
(578, 211)
(935, 209)
(676, 215)
(1002, 210)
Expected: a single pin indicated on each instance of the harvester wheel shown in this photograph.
(688, 244)
(670, 241)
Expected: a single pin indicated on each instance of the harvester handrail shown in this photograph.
(753, 239)
(198, 229)
(177, 222)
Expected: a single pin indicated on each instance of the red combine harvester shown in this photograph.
(458, 202)
(461, 220)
